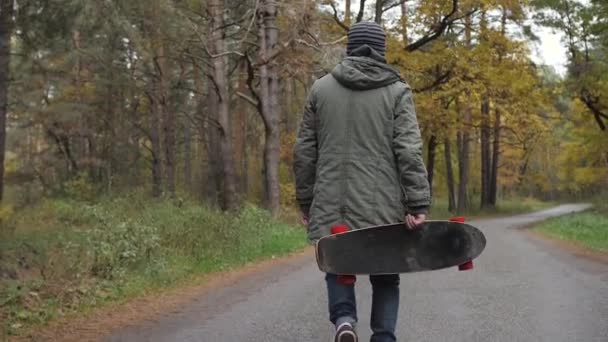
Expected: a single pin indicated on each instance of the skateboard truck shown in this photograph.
(344, 279)
(469, 264)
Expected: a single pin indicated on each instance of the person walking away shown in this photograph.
(358, 162)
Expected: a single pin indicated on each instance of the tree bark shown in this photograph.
(240, 128)
(204, 107)
(188, 155)
(6, 32)
(220, 80)
(168, 116)
(269, 93)
(432, 149)
(157, 172)
(213, 180)
(347, 13)
(485, 153)
(463, 172)
(493, 191)
(463, 138)
(379, 12)
(449, 174)
(404, 22)
(157, 98)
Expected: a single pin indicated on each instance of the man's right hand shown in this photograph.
(414, 221)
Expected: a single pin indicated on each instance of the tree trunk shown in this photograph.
(432, 149)
(168, 116)
(210, 177)
(269, 93)
(169, 145)
(495, 158)
(347, 12)
(463, 138)
(463, 172)
(157, 98)
(485, 153)
(188, 155)
(157, 172)
(245, 161)
(213, 180)
(220, 78)
(6, 32)
(449, 174)
(404, 22)
(379, 12)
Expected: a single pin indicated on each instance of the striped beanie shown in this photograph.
(366, 33)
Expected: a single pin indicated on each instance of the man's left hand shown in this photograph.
(305, 219)
(415, 220)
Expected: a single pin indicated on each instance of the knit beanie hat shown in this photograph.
(366, 33)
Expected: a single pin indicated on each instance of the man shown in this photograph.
(358, 162)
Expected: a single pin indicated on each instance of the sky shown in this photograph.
(550, 50)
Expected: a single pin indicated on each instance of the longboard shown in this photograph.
(392, 248)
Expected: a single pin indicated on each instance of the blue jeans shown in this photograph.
(385, 304)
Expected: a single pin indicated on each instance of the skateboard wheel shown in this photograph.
(339, 229)
(346, 279)
(469, 264)
(466, 266)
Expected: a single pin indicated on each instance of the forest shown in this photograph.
(197, 103)
(203, 98)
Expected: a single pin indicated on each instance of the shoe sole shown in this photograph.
(347, 336)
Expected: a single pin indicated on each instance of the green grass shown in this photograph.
(65, 257)
(439, 210)
(590, 228)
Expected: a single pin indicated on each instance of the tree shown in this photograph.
(220, 86)
(6, 33)
(585, 28)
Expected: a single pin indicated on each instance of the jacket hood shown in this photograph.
(365, 69)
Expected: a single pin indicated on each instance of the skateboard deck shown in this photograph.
(392, 248)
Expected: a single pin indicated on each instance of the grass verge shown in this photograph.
(64, 257)
(589, 228)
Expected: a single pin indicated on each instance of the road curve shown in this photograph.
(520, 290)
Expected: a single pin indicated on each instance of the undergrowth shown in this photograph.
(589, 228)
(64, 256)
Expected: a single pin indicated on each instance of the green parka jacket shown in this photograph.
(358, 154)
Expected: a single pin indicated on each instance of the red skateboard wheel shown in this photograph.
(347, 279)
(469, 264)
(466, 266)
(458, 219)
(339, 229)
(344, 279)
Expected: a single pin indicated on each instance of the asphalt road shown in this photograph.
(520, 290)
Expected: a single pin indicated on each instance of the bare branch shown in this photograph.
(338, 21)
(255, 10)
(318, 44)
(225, 53)
(438, 29)
(247, 98)
(442, 79)
(396, 4)
(312, 46)
(591, 104)
(250, 78)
